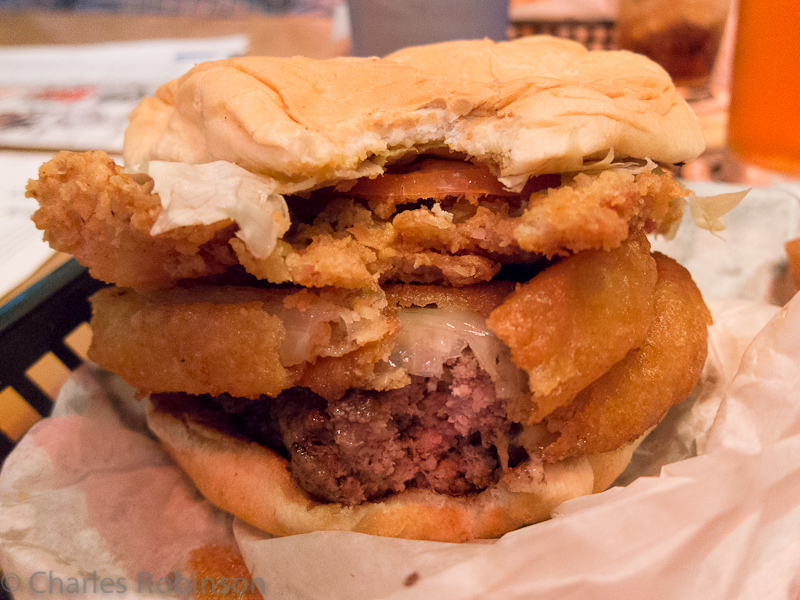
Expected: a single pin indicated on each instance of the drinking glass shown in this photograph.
(379, 27)
(683, 36)
(764, 121)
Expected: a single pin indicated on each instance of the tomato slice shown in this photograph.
(436, 179)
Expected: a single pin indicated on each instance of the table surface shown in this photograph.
(269, 35)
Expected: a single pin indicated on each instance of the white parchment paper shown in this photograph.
(89, 494)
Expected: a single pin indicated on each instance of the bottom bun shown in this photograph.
(253, 483)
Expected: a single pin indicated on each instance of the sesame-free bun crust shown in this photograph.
(253, 483)
(528, 106)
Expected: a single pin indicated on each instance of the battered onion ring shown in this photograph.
(636, 393)
(229, 340)
(248, 342)
(572, 322)
(241, 341)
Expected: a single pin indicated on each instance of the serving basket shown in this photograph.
(35, 323)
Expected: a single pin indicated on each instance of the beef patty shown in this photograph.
(449, 434)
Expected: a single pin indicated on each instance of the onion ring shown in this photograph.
(572, 322)
(636, 393)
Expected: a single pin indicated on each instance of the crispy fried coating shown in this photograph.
(154, 345)
(572, 322)
(241, 341)
(91, 209)
(223, 564)
(482, 298)
(332, 376)
(103, 216)
(598, 212)
(248, 342)
(464, 241)
(636, 392)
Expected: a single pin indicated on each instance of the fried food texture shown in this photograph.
(221, 564)
(622, 339)
(635, 394)
(403, 296)
(91, 209)
(102, 215)
(240, 341)
(572, 322)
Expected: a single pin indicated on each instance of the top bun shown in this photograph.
(524, 107)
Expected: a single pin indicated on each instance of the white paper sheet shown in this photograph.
(79, 97)
(741, 261)
(89, 492)
(22, 250)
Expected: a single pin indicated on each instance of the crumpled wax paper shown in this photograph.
(709, 508)
(740, 262)
(88, 492)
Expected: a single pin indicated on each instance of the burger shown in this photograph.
(409, 296)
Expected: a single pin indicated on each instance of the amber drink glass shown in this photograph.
(764, 123)
(683, 36)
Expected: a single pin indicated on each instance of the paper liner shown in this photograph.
(89, 494)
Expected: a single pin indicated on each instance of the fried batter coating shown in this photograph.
(242, 341)
(482, 298)
(332, 376)
(103, 216)
(598, 212)
(248, 342)
(154, 345)
(572, 322)
(636, 392)
(464, 241)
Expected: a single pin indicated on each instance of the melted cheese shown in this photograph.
(429, 337)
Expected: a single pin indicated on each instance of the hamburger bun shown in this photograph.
(409, 296)
(524, 107)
